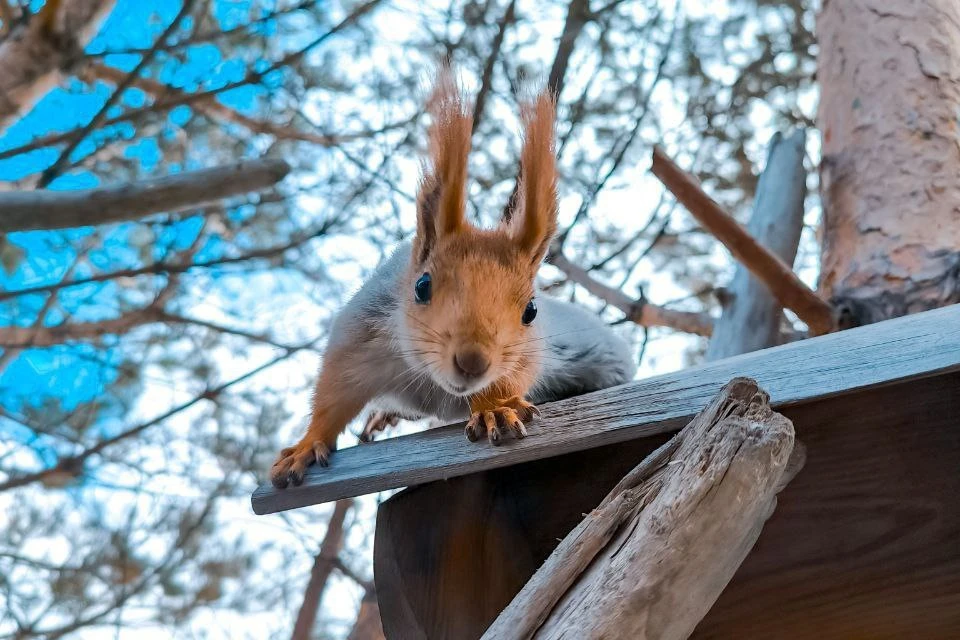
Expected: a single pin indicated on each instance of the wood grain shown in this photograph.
(652, 558)
(864, 543)
(907, 348)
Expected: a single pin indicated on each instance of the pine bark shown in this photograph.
(34, 56)
(889, 74)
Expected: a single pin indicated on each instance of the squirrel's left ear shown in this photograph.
(442, 199)
(535, 220)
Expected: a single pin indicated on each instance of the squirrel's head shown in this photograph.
(469, 315)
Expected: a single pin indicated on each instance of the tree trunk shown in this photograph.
(33, 56)
(889, 74)
(751, 314)
(367, 625)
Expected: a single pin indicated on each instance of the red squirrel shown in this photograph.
(450, 326)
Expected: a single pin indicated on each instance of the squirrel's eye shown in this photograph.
(529, 313)
(422, 291)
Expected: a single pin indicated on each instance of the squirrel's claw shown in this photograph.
(497, 423)
(292, 463)
(378, 421)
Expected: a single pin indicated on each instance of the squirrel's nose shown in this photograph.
(471, 363)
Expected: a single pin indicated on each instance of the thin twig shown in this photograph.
(74, 464)
(168, 268)
(53, 170)
(639, 311)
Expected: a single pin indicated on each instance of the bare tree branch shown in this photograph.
(73, 465)
(168, 268)
(486, 79)
(639, 311)
(215, 109)
(51, 172)
(211, 35)
(779, 278)
(33, 57)
(578, 14)
(323, 565)
(28, 210)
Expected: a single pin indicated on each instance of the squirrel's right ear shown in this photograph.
(535, 221)
(441, 201)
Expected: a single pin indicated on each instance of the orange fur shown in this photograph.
(482, 280)
(441, 202)
(537, 220)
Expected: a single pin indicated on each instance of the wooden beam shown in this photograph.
(864, 543)
(911, 347)
(752, 316)
(32, 210)
(650, 561)
(779, 278)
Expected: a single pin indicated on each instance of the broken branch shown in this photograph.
(778, 277)
(641, 312)
(30, 210)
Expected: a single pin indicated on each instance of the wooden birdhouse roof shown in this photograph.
(917, 346)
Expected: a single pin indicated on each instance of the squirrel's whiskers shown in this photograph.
(450, 325)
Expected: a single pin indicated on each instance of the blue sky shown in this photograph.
(47, 255)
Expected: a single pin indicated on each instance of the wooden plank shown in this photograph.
(480, 537)
(906, 348)
(651, 560)
(864, 543)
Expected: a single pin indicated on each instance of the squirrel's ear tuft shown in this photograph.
(535, 221)
(441, 200)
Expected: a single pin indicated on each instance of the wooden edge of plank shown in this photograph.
(889, 352)
(740, 416)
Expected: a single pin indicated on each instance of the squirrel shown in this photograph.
(450, 326)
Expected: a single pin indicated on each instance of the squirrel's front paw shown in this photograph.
(293, 462)
(497, 422)
(378, 421)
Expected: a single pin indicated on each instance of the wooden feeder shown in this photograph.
(863, 543)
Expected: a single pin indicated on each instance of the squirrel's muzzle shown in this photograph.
(471, 363)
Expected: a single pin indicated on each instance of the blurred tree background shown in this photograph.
(152, 366)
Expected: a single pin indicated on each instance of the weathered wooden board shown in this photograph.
(865, 541)
(894, 351)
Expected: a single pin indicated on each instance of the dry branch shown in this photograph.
(213, 108)
(641, 312)
(779, 278)
(650, 560)
(33, 56)
(752, 316)
(323, 565)
(29, 210)
(51, 172)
